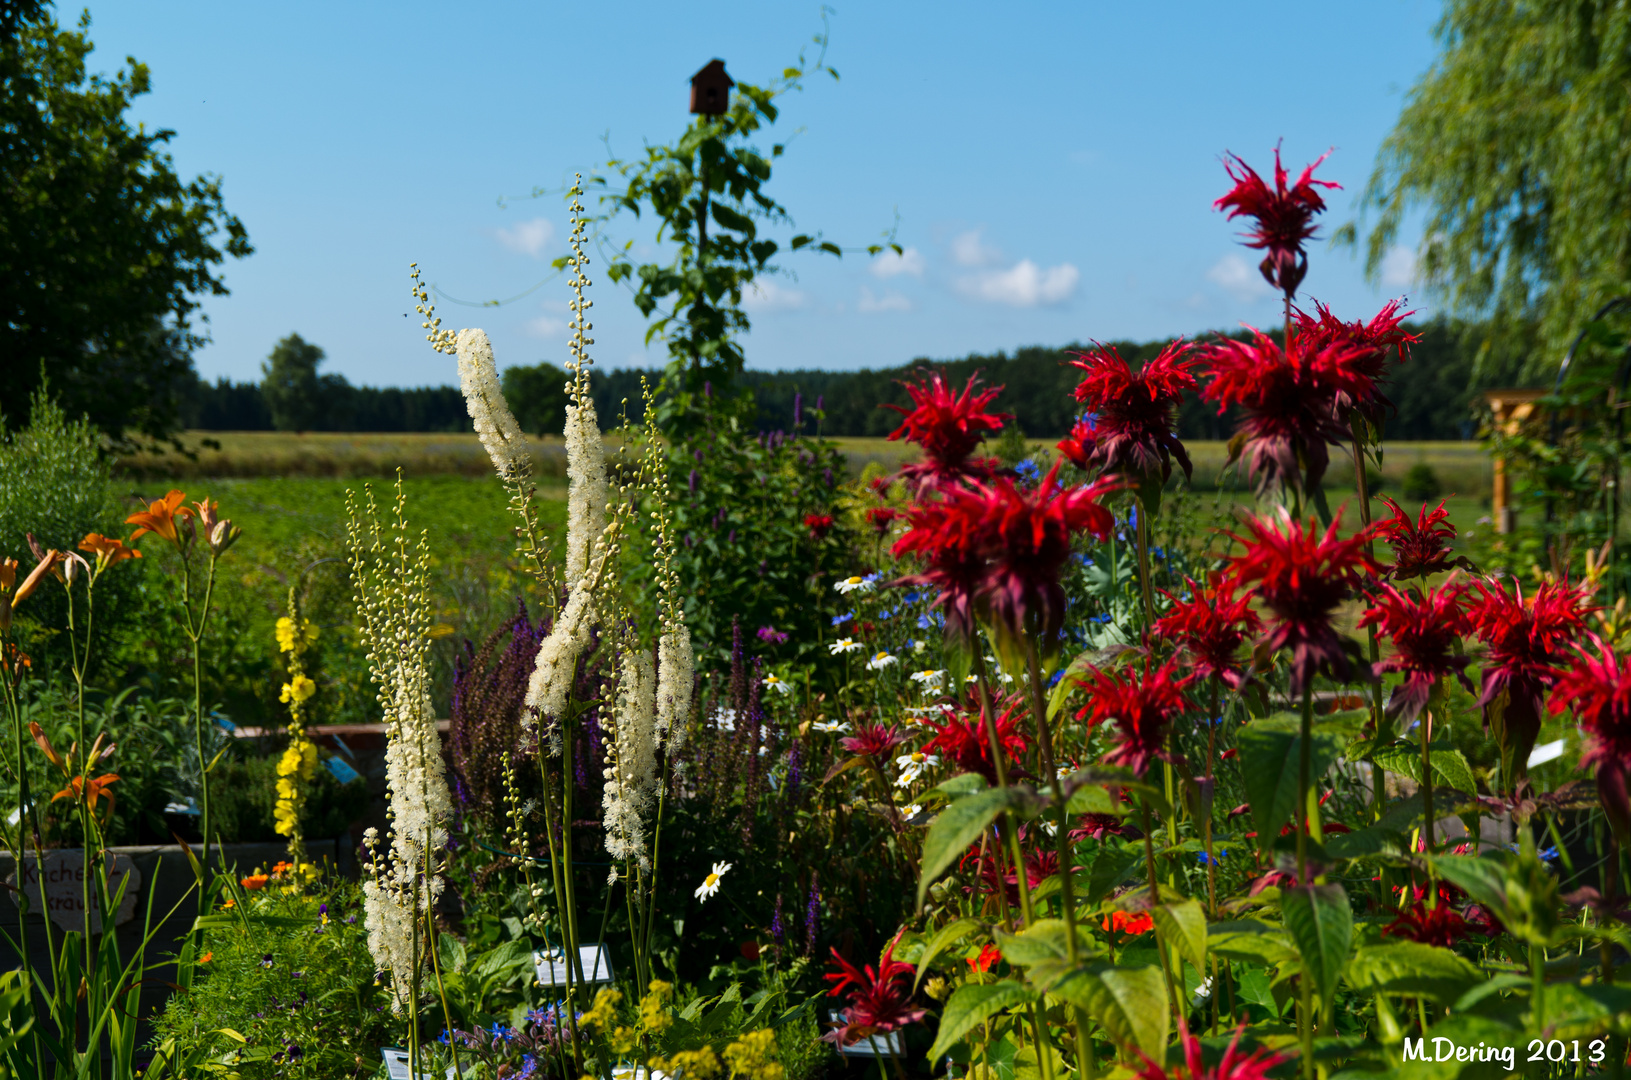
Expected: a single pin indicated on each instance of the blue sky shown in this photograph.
(1052, 165)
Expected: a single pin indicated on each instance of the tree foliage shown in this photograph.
(1517, 142)
(293, 390)
(104, 250)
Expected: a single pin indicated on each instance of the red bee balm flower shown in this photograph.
(1424, 633)
(1078, 445)
(1143, 706)
(1301, 577)
(969, 743)
(1598, 690)
(1440, 925)
(1526, 640)
(818, 524)
(881, 517)
(1233, 1065)
(1294, 404)
(1134, 413)
(948, 427)
(879, 1001)
(1383, 334)
(1420, 547)
(1210, 627)
(1284, 216)
(873, 740)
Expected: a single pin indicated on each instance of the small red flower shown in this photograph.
(1284, 216)
(1384, 334)
(1210, 627)
(873, 740)
(881, 517)
(1143, 706)
(1301, 577)
(988, 955)
(949, 427)
(1129, 922)
(1233, 1065)
(1077, 447)
(968, 743)
(1421, 547)
(1440, 925)
(1294, 404)
(818, 524)
(1134, 413)
(1425, 632)
(879, 1001)
(1598, 690)
(1525, 645)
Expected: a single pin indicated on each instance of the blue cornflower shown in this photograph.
(442, 1038)
(913, 597)
(1054, 679)
(1203, 860)
(923, 622)
(840, 620)
(1548, 854)
(886, 614)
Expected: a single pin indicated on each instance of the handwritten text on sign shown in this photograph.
(61, 877)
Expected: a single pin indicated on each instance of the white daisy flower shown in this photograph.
(853, 584)
(843, 645)
(1051, 827)
(830, 726)
(971, 678)
(880, 661)
(777, 683)
(913, 766)
(929, 679)
(1062, 771)
(912, 811)
(710, 884)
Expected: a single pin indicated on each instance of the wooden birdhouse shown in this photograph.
(711, 89)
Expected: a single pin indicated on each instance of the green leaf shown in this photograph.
(1450, 768)
(1183, 926)
(1321, 924)
(958, 826)
(1130, 1002)
(1111, 867)
(1270, 750)
(1044, 940)
(1249, 941)
(952, 932)
(971, 1005)
(1408, 967)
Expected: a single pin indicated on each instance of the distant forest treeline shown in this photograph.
(1434, 392)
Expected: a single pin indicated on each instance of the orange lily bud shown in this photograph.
(46, 565)
(45, 744)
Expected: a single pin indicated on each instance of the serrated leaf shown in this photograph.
(1414, 969)
(971, 1005)
(1183, 926)
(958, 826)
(1130, 1002)
(1111, 866)
(1321, 925)
(1043, 940)
(947, 935)
(1249, 941)
(1270, 750)
(1450, 768)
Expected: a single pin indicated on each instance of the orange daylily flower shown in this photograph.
(92, 791)
(255, 881)
(160, 517)
(44, 742)
(108, 549)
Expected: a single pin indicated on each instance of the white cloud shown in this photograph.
(1239, 279)
(1399, 269)
(969, 250)
(527, 237)
(888, 264)
(889, 301)
(768, 296)
(1024, 284)
(545, 327)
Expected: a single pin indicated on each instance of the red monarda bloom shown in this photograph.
(1598, 690)
(1284, 216)
(1425, 632)
(818, 524)
(1143, 705)
(1233, 1065)
(1293, 404)
(1440, 925)
(879, 1001)
(1210, 627)
(881, 517)
(1421, 548)
(949, 427)
(1301, 576)
(1078, 445)
(1384, 334)
(1527, 641)
(968, 742)
(1000, 548)
(873, 740)
(1134, 413)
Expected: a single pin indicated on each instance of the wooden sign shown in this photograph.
(56, 885)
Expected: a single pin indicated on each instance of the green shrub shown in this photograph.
(1420, 483)
(291, 974)
(243, 793)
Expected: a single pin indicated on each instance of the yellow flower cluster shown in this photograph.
(753, 1056)
(297, 690)
(290, 639)
(296, 769)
